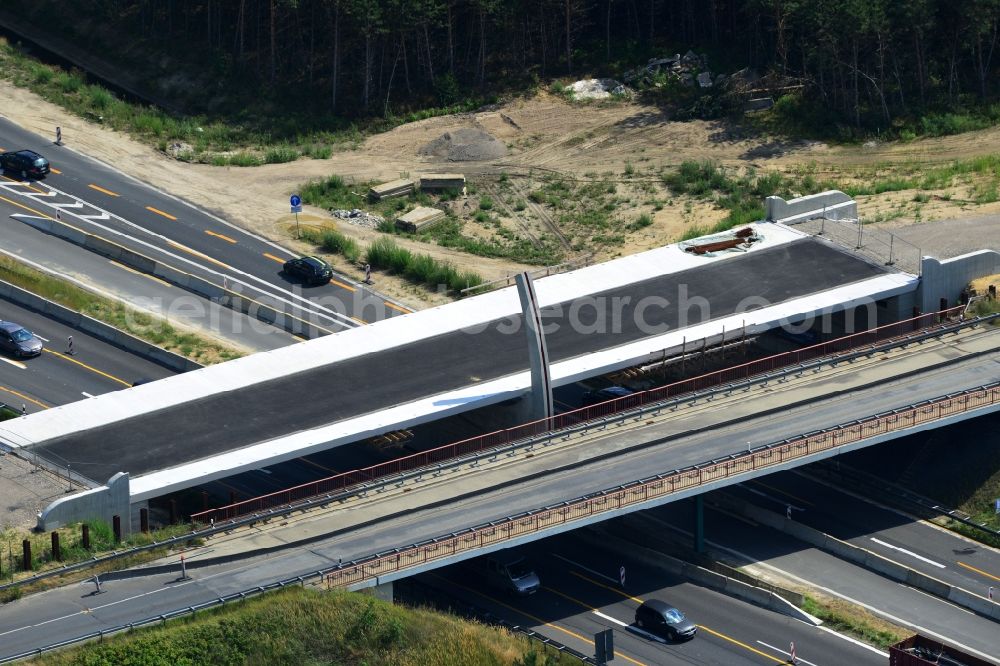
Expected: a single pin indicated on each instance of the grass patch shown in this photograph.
(249, 133)
(334, 242)
(507, 244)
(853, 621)
(386, 254)
(102, 542)
(143, 325)
(296, 626)
(640, 222)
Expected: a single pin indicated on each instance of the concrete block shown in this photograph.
(928, 584)
(886, 567)
(832, 203)
(103, 502)
(946, 279)
(974, 602)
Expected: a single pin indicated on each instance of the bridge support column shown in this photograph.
(383, 591)
(699, 524)
(540, 401)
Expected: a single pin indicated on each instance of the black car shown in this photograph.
(24, 163)
(605, 394)
(18, 340)
(311, 270)
(659, 617)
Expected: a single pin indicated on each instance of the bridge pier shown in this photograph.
(540, 398)
(699, 524)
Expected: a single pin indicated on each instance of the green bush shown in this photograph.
(280, 155)
(641, 222)
(485, 203)
(385, 254)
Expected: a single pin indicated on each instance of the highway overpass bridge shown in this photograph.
(274, 406)
(407, 523)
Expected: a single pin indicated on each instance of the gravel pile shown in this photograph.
(465, 145)
(358, 218)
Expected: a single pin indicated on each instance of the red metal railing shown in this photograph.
(661, 486)
(345, 480)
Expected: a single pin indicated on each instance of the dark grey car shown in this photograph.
(310, 270)
(659, 617)
(18, 340)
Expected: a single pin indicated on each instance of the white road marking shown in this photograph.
(610, 619)
(798, 659)
(16, 364)
(87, 394)
(908, 552)
(650, 636)
(588, 570)
(41, 338)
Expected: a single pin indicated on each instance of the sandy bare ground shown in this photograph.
(542, 133)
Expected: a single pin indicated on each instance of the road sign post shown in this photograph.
(296, 203)
(621, 575)
(604, 646)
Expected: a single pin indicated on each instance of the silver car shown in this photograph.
(19, 341)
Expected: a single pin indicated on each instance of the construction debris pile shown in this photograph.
(598, 89)
(739, 241)
(358, 218)
(689, 69)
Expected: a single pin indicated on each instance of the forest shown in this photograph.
(861, 63)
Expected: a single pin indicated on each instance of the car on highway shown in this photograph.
(310, 270)
(25, 163)
(605, 394)
(18, 340)
(512, 574)
(660, 618)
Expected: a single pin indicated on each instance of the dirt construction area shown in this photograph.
(557, 154)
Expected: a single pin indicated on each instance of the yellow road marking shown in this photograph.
(145, 275)
(102, 190)
(274, 258)
(360, 321)
(225, 238)
(24, 397)
(54, 170)
(317, 465)
(586, 641)
(596, 610)
(743, 645)
(978, 571)
(196, 253)
(20, 205)
(88, 367)
(342, 285)
(784, 492)
(396, 307)
(606, 587)
(160, 212)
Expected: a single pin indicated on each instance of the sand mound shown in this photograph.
(465, 145)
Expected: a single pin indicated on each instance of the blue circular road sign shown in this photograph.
(295, 200)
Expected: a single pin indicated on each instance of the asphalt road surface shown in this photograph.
(581, 595)
(56, 378)
(744, 542)
(910, 542)
(145, 292)
(140, 216)
(461, 358)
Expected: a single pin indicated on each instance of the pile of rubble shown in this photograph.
(358, 217)
(689, 69)
(598, 89)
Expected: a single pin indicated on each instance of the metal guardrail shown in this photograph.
(905, 331)
(845, 473)
(644, 490)
(455, 455)
(636, 492)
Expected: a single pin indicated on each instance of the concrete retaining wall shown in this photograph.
(177, 277)
(101, 503)
(834, 204)
(946, 279)
(865, 558)
(97, 329)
